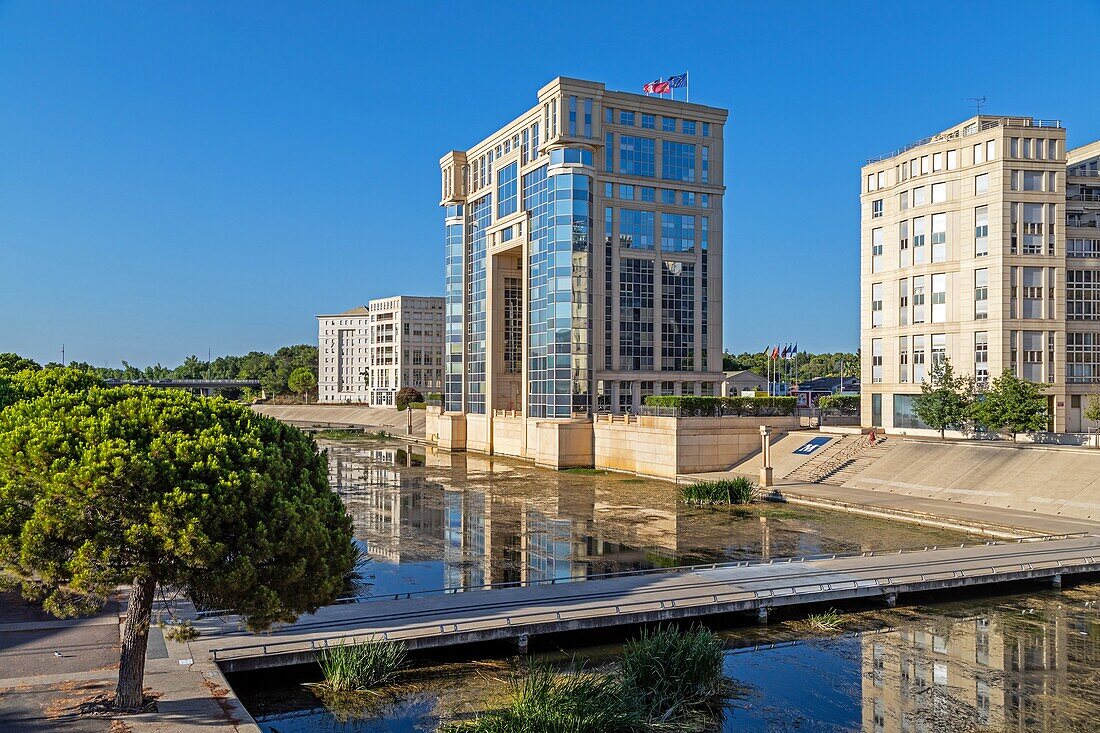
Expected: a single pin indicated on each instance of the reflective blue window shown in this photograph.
(452, 357)
(706, 129)
(648, 193)
(649, 122)
(588, 117)
(636, 229)
(626, 193)
(689, 127)
(609, 152)
(609, 190)
(705, 166)
(571, 155)
(668, 124)
(687, 198)
(636, 155)
(506, 190)
(626, 118)
(678, 163)
(704, 200)
(572, 116)
(677, 316)
(608, 115)
(635, 314)
(704, 233)
(668, 196)
(480, 218)
(677, 232)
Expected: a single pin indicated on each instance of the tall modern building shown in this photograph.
(583, 258)
(368, 353)
(980, 244)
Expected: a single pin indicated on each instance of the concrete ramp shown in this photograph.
(1024, 478)
(343, 416)
(786, 457)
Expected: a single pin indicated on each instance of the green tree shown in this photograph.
(302, 381)
(944, 401)
(405, 395)
(12, 363)
(1012, 404)
(145, 487)
(1092, 412)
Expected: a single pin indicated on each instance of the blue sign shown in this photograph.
(807, 448)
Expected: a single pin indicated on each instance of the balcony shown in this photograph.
(972, 129)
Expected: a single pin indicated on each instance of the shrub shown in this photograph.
(405, 395)
(738, 490)
(839, 404)
(673, 674)
(181, 632)
(690, 406)
(353, 668)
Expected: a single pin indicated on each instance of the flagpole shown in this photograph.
(687, 86)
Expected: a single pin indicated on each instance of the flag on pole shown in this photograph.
(775, 353)
(786, 351)
(678, 80)
(767, 349)
(657, 87)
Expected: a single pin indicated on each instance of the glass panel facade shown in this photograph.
(636, 229)
(677, 161)
(635, 314)
(677, 232)
(678, 316)
(453, 244)
(559, 292)
(506, 190)
(636, 155)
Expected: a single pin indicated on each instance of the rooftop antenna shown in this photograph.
(62, 354)
(978, 102)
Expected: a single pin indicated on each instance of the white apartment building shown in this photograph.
(367, 354)
(980, 245)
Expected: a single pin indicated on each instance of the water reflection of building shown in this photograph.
(1010, 672)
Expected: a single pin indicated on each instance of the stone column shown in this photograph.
(765, 456)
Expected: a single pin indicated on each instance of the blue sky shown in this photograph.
(182, 176)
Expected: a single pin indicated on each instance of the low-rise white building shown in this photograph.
(367, 354)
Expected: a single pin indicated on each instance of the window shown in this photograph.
(706, 129)
(981, 183)
(876, 305)
(1033, 180)
(990, 150)
(1083, 295)
(507, 190)
(939, 348)
(1033, 229)
(981, 358)
(704, 165)
(687, 198)
(668, 196)
(939, 237)
(649, 122)
(919, 225)
(609, 190)
(1033, 355)
(636, 229)
(689, 127)
(677, 233)
(677, 317)
(608, 115)
(1032, 306)
(704, 200)
(636, 314)
(981, 293)
(952, 159)
(876, 250)
(903, 359)
(626, 118)
(648, 193)
(1082, 358)
(903, 200)
(588, 117)
(918, 361)
(937, 162)
(924, 164)
(1082, 247)
(636, 155)
(939, 193)
(678, 161)
(918, 299)
(876, 208)
(668, 124)
(981, 231)
(903, 301)
(626, 193)
(876, 360)
(939, 298)
(905, 257)
(609, 152)
(978, 154)
(919, 196)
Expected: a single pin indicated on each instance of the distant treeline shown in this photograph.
(810, 366)
(273, 370)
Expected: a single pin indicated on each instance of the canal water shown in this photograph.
(429, 521)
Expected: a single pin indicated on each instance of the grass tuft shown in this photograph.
(738, 490)
(828, 621)
(361, 667)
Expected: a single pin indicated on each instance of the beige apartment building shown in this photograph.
(980, 245)
(583, 263)
(367, 354)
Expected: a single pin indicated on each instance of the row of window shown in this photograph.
(646, 121)
(648, 194)
(637, 230)
(637, 157)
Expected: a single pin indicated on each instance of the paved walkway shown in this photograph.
(456, 618)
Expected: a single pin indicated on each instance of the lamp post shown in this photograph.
(765, 456)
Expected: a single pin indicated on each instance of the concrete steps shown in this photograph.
(841, 461)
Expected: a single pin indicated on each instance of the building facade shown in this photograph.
(367, 354)
(980, 245)
(584, 257)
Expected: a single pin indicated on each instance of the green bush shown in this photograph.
(840, 404)
(673, 674)
(351, 668)
(407, 395)
(738, 490)
(417, 405)
(690, 406)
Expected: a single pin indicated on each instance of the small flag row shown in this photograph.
(781, 351)
(663, 86)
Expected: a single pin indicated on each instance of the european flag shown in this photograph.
(680, 80)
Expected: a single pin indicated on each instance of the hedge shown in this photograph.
(840, 404)
(741, 406)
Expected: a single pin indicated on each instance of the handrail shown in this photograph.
(807, 588)
(972, 129)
